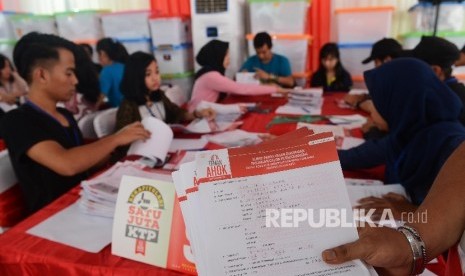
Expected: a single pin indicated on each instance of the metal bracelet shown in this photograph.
(418, 249)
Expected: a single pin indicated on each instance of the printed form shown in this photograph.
(233, 188)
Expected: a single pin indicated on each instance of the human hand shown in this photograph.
(352, 100)
(384, 248)
(283, 91)
(131, 133)
(368, 125)
(261, 75)
(398, 204)
(207, 113)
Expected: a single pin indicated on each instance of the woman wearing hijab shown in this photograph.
(210, 80)
(422, 115)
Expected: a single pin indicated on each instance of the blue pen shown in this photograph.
(306, 110)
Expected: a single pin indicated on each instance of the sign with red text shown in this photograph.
(147, 219)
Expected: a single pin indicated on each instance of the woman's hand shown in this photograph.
(384, 248)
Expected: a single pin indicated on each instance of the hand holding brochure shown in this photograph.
(234, 199)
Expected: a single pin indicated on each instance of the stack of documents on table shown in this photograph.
(235, 138)
(342, 135)
(303, 101)
(247, 78)
(99, 194)
(226, 117)
(349, 121)
(235, 203)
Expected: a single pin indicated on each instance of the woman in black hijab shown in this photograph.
(210, 80)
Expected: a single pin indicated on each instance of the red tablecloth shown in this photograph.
(24, 254)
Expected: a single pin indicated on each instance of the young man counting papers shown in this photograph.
(44, 142)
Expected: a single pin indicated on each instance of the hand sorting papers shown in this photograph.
(233, 202)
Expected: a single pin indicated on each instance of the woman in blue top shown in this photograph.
(422, 115)
(112, 56)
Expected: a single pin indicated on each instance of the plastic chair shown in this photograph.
(105, 122)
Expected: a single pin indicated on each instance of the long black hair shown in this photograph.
(341, 82)
(211, 57)
(114, 49)
(3, 62)
(87, 74)
(133, 85)
(331, 49)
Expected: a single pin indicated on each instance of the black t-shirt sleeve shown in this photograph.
(21, 131)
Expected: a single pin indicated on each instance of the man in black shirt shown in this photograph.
(44, 142)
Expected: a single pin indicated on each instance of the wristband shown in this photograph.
(418, 249)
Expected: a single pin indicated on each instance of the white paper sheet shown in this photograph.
(358, 192)
(100, 193)
(204, 126)
(159, 143)
(187, 144)
(336, 130)
(234, 138)
(234, 237)
(349, 121)
(299, 110)
(220, 108)
(178, 159)
(247, 78)
(357, 91)
(345, 143)
(73, 228)
(362, 182)
(7, 107)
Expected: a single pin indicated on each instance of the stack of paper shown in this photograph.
(349, 121)
(235, 201)
(156, 148)
(235, 138)
(342, 135)
(303, 101)
(247, 78)
(99, 194)
(226, 117)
